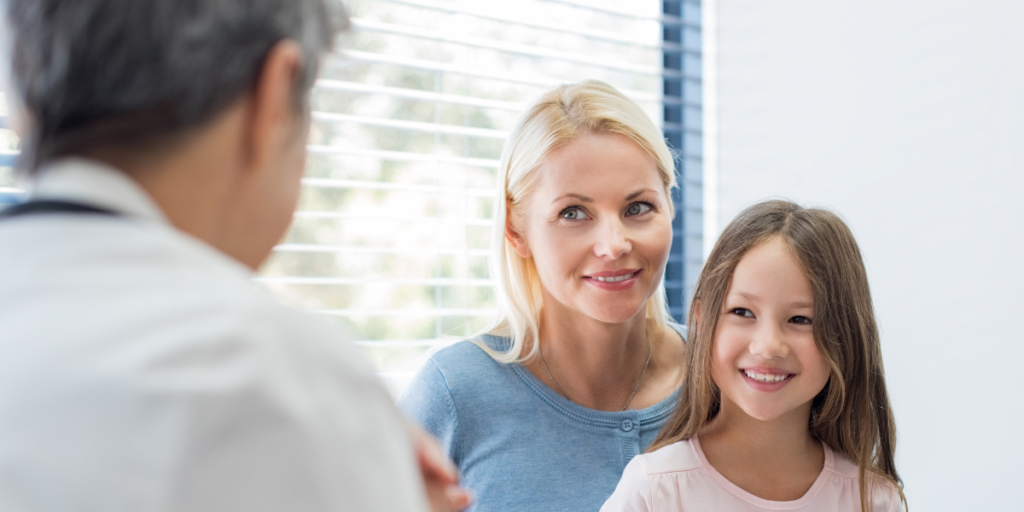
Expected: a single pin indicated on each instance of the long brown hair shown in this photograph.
(852, 413)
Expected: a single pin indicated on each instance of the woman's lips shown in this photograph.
(614, 280)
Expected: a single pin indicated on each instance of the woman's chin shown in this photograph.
(617, 315)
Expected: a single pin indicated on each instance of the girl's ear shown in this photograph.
(513, 237)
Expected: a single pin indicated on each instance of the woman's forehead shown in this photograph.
(596, 165)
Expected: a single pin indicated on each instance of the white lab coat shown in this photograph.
(141, 371)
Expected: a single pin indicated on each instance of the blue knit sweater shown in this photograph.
(521, 446)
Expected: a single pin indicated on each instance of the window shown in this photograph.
(391, 238)
(8, 153)
(394, 226)
(683, 126)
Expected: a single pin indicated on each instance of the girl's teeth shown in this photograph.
(615, 279)
(765, 377)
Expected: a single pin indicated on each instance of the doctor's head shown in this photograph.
(585, 206)
(138, 83)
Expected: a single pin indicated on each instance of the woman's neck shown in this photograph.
(598, 365)
(595, 364)
(776, 460)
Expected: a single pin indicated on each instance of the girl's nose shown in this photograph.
(769, 342)
(612, 240)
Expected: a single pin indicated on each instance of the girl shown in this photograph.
(784, 405)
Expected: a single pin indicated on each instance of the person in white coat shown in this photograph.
(140, 370)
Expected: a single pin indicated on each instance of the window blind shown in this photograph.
(9, 194)
(683, 126)
(391, 238)
(393, 230)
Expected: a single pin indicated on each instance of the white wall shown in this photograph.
(906, 117)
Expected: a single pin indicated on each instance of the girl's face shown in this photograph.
(598, 228)
(764, 359)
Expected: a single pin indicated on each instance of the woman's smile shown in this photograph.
(614, 280)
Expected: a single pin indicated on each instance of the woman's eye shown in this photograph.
(744, 312)
(573, 213)
(802, 320)
(638, 209)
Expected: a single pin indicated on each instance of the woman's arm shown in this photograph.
(428, 403)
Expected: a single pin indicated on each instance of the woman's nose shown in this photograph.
(769, 342)
(612, 240)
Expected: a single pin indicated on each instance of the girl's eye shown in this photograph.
(573, 213)
(744, 312)
(638, 209)
(802, 320)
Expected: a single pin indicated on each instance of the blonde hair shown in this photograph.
(553, 120)
(852, 413)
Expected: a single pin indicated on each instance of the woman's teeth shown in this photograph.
(615, 279)
(765, 377)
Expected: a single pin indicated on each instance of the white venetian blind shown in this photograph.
(392, 233)
(8, 154)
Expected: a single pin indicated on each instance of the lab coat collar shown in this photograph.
(96, 184)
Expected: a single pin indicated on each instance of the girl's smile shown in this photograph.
(766, 379)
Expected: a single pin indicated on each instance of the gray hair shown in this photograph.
(137, 72)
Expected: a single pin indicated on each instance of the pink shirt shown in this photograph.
(678, 477)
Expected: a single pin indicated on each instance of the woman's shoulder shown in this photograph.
(468, 355)
(678, 328)
(466, 370)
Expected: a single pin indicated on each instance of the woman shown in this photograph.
(581, 367)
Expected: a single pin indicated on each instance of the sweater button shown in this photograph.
(627, 425)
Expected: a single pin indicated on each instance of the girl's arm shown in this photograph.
(633, 494)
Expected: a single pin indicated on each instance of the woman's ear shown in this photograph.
(513, 237)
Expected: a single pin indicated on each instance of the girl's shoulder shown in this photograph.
(884, 494)
(840, 465)
(678, 457)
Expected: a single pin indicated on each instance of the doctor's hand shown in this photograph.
(440, 476)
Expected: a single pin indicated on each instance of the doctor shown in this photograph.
(139, 369)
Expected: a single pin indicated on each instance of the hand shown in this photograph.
(440, 476)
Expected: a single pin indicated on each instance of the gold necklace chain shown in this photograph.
(561, 390)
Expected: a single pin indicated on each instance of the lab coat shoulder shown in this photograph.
(148, 371)
(308, 423)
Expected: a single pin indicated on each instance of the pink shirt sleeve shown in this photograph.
(633, 494)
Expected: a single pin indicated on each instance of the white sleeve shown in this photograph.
(633, 494)
(298, 422)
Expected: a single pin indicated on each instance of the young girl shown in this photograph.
(784, 405)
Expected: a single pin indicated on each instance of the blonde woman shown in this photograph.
(581, 367)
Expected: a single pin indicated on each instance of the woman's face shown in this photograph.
(765, 360)
(598, 227)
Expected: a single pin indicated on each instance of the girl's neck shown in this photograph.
(777, 460)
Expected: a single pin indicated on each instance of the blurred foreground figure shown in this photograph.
(139, 369)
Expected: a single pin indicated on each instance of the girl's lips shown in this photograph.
(766, 379)
(614, 280)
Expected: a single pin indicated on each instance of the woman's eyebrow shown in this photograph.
(638, 193)
(587, 199)
(574, 195)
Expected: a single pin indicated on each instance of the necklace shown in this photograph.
(631, 395)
